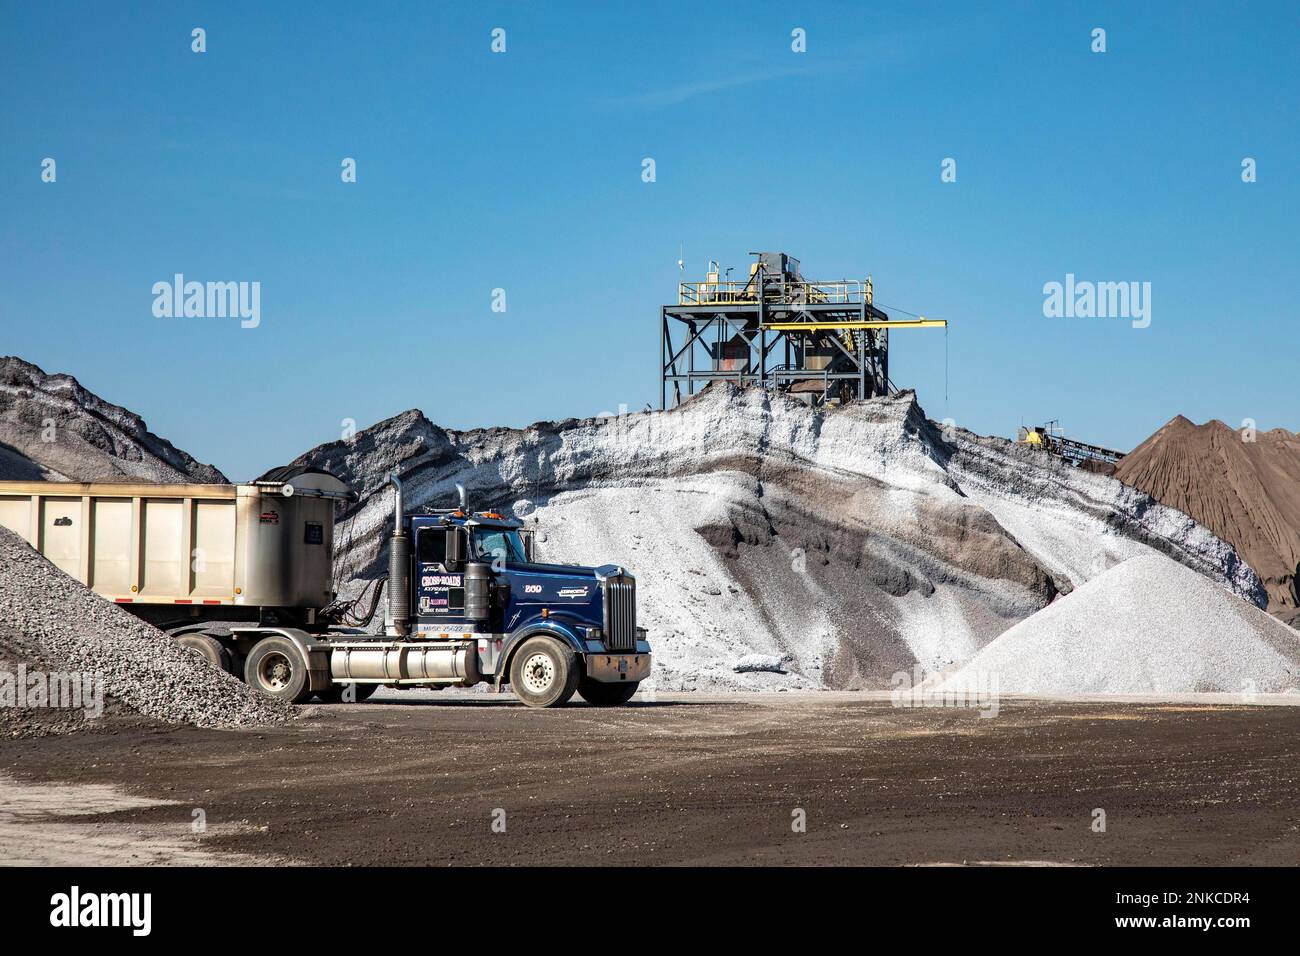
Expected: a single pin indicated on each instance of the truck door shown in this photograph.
(439, 594)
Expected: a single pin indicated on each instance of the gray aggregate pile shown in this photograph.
(51, 621)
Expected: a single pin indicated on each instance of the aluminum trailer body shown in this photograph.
(256, 551)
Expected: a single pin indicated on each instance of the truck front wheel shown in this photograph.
(606, 695)
(275, 668)
(544, 672)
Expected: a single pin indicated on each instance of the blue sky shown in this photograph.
(522, 171)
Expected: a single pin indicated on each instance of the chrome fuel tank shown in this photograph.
(392, 662)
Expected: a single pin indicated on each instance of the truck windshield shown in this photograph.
(494, 544)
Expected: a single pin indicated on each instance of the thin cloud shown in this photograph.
(687, 91)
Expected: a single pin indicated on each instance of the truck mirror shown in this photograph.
(455, 548)
(528, 547)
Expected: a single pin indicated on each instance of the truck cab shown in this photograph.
(474, 578)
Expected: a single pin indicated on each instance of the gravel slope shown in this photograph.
(1146, 626)
(53, 429)
(1247, 492)
(50, 622)
(858, 541)
(1079, 523)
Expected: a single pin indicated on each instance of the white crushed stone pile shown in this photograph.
(852, 542)
(57, 623)
(1146, 626)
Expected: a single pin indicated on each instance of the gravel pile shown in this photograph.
(51, 621)
(1146, 626)
(54, 429)
(850, 543)
(1246, 491)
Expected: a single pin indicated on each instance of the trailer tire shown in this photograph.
(208, 648)
(544, 672)
(276, 668)
(599, 694)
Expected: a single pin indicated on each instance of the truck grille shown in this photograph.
(620, 613)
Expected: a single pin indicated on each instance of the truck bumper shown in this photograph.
(610, 668)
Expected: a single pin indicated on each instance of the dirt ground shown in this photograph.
(688, 779)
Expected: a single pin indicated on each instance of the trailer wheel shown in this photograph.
(544, 672)
(599, 694)
(208, 648)
(275, 668)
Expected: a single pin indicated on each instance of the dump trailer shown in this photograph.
(242, 574)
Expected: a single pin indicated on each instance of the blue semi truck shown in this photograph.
(546, 630)
(466, 603)
(243, 576)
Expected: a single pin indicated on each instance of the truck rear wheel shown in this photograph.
(275, 668)
(207, 647)
(607, 695)
(544, 672)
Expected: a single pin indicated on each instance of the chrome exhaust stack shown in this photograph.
(397, 613)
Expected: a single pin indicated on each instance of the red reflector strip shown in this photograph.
(182, 601)
(123, 600)
(211, 602)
